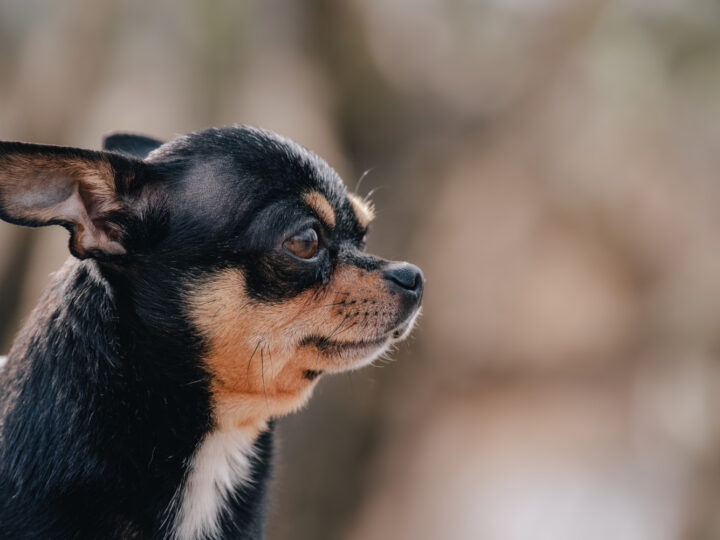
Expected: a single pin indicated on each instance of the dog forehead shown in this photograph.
(250, 159)
(225, 164)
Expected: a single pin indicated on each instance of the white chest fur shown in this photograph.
(220, 464)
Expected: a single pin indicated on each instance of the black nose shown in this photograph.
(407, 277)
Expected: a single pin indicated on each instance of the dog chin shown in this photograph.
(344, 355)
(370, 358)
(348, 355)
(403, 331)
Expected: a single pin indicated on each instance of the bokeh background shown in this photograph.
(553, 167)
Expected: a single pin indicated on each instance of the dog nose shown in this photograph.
(408, 277)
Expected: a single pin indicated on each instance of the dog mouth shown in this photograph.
(345, 353)
(327, 346)
(330, 347)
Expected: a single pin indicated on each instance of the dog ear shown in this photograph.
(81, 190)
(130, 143)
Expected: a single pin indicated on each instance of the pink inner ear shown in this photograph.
(36, 195)
(40, 188)
(71, 209)
(46, 199)
(90, 232)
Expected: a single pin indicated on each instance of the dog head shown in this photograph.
(252, 239)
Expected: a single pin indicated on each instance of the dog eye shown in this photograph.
(303, 245)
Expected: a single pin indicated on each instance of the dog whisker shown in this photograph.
(327, 305)
(362, 177)
(346, 329)
(272, 367)
(262, 375)
(337, 327)
(372, 191)
(251, 357)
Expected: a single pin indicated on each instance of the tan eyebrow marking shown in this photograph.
(364, 210)
(318, 202)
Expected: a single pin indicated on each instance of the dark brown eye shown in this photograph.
(303, 245)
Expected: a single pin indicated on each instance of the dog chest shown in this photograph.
(221, 463)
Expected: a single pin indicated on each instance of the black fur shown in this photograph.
(130, 143)
(104, 399)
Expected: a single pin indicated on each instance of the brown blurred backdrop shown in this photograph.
(553, 167)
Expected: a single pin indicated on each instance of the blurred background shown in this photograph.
(552, 165)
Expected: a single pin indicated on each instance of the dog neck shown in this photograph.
(222, 463)
(121, 404)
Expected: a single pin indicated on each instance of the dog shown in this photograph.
(214, 280)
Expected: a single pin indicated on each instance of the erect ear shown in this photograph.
(130, 143)
(81, 190)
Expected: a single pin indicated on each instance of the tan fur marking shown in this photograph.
(364, 210)
(255, 353)
(318, 202)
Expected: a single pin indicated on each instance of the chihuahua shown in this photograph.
(214, 279)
